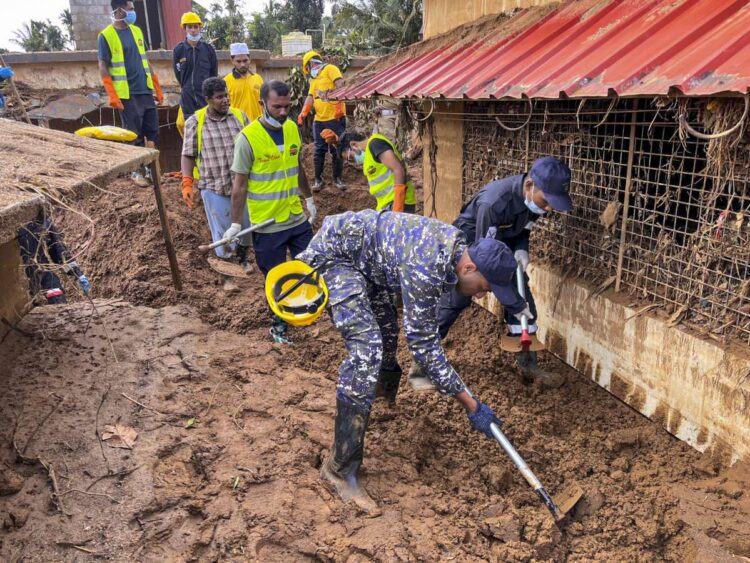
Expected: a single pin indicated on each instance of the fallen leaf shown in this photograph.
(236, 483)
(190, 423)
(119, 436)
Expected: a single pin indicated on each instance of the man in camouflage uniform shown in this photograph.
(365, 257)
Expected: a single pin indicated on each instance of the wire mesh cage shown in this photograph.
(659, 214)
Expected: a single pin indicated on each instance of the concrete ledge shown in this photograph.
(699, 391)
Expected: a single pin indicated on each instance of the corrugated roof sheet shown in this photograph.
(583, 48)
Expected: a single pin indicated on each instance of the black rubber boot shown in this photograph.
(241, 251)
(319, 172)
(342, 466)
(338, 172)
(532, 373)
(388, 384)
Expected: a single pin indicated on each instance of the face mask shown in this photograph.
(196, 37)
(314, 72)
(272, 121)
(533, 207)
(359, 157)
(130, 17)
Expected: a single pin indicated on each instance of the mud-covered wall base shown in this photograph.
(699, 390)
(14, 296)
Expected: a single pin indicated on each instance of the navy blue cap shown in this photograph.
(552, 176)
(495, 261)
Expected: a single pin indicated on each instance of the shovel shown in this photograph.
(206, 247)
(562, 503)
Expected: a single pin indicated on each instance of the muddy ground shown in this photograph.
(231, 430)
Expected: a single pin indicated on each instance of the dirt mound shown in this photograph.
(231, 431)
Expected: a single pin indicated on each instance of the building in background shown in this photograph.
(159, 20)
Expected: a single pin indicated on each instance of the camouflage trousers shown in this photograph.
(368, 323)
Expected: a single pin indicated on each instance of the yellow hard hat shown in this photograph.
(189, 18)
(306, 59)
(306, 302)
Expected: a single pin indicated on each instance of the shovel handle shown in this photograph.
(527, 473)
(206, 247)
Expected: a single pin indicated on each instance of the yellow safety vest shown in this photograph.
(272, 185)
(200, 115)
(116, 66)
(380, 177)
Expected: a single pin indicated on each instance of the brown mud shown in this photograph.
(231, 430)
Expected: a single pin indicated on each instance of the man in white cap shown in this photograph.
(243, 84)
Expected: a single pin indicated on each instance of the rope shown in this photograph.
(524, 124)
(686, 127)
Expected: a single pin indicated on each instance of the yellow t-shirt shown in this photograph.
(324, 111)
(244, 94)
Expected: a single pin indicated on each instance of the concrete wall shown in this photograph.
(443, 15)
(89, 18)
(696, 389)
(14, 297)
(79, 69)
(449, 136)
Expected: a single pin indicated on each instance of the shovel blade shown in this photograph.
(568, 497)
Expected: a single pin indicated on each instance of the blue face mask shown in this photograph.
(359, 157)
(272, 121)
(130, 17)
(533, 207)
(196, 37)
(314, 72)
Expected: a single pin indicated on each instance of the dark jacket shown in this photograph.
(192, 65)
(499, 204)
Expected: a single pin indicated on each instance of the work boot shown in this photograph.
(342, 466)
(245, 264)
(387, 386)
(318, 183)
(339, 183)
(278, 331)
(531, 372)
(418, 379)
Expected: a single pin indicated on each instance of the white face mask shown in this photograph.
(272, 121)
(533, 207)
(196, 37)
(315, 71)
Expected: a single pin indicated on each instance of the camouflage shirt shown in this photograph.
(406, 253)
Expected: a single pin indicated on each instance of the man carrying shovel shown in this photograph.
(207, 154)
(268, 182)
(507, 210)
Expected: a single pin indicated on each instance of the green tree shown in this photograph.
(225, 24)
(266, 27)
(39, 36)
(66, 18)
(300, 15)
(377, 26)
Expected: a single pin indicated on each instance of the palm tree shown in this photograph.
(378, 26)
(39, 36)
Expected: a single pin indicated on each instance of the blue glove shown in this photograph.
(85, 284)
(5, 72)
(482, 418)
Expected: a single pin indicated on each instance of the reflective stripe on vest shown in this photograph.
(272, 188)
(116, 66)
(200, 115)
(380, 178)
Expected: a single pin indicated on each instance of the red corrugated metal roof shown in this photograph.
(584, 48)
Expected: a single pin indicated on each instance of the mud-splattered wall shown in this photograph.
(443, 15)
(14, 296)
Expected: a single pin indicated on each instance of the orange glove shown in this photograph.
(158, 94)
(114, 99)
(329, 136)
(188, 193)
(340, 111)
(399, 197)
(305, 112)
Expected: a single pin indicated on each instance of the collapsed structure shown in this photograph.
(645, 286)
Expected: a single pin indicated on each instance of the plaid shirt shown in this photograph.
(217, 150)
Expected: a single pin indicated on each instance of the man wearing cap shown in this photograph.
(507, 209)
(330, 115)
(366, 256)
(243, 84)
(193, 61)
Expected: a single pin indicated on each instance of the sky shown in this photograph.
(13, 18)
